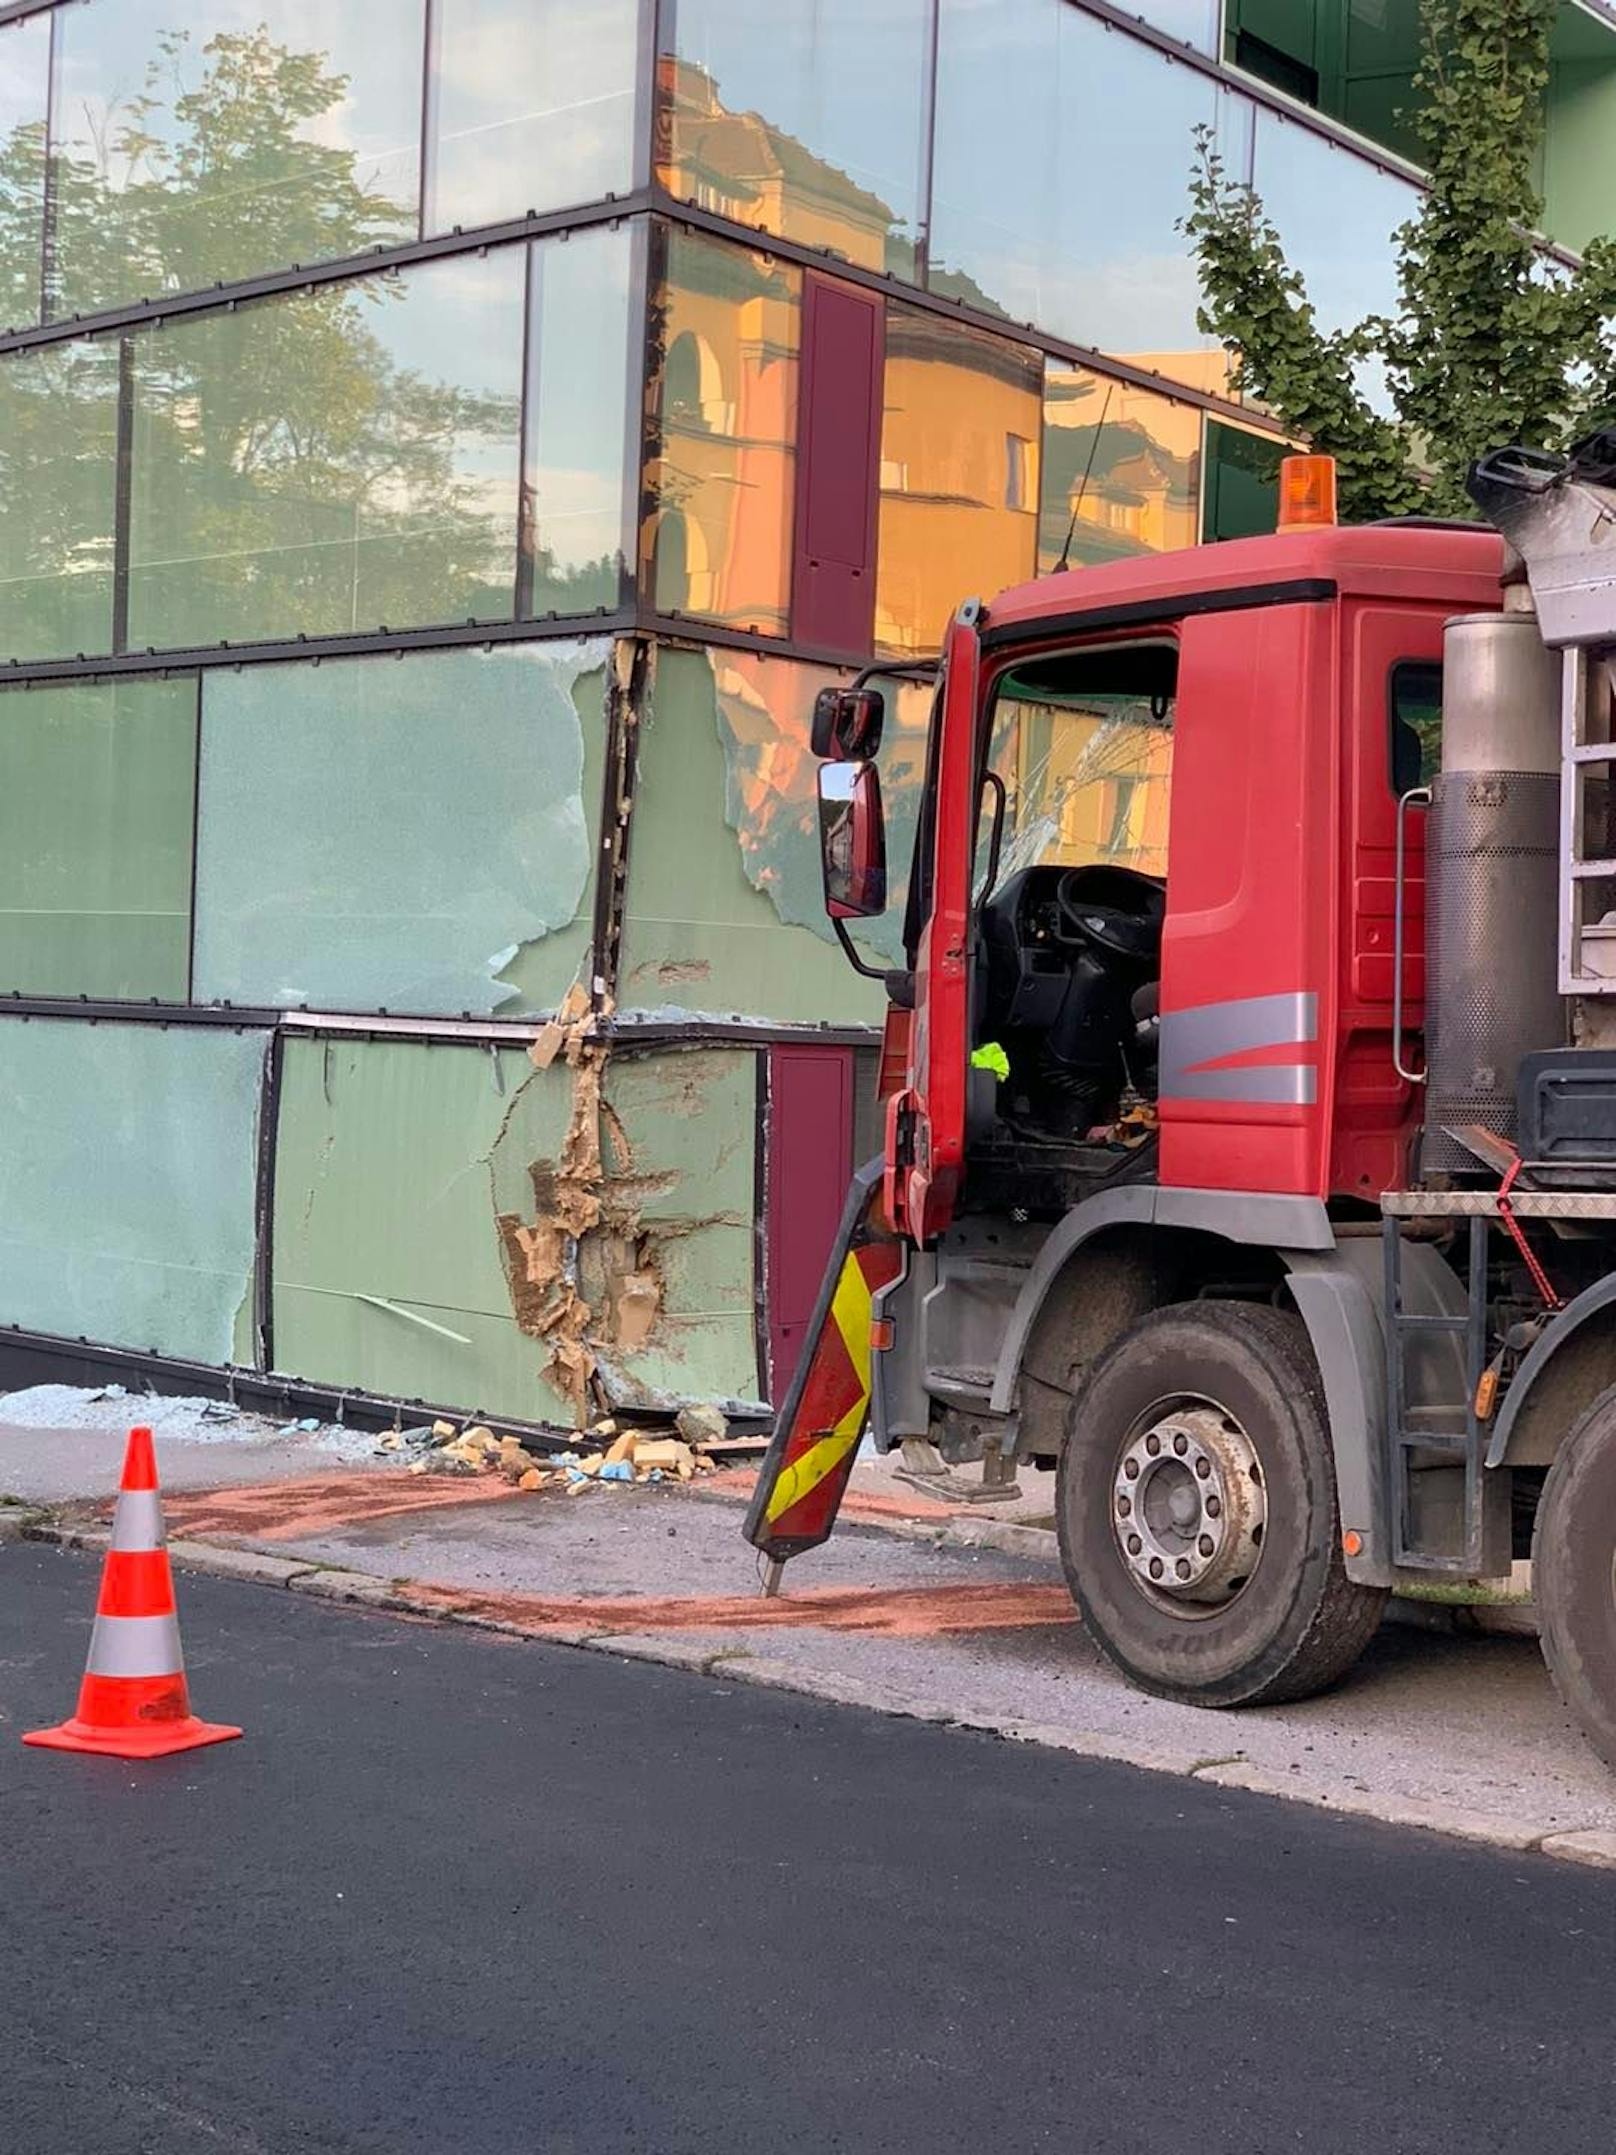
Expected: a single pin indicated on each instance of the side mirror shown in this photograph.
(847, 724)
(852, 841)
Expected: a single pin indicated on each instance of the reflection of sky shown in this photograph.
(534, 106)
(1062, 166)
(579, 431)
(844, 77)
(105, 47)
(24, 55)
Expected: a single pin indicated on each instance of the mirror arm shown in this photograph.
(1001, 800)
(870, 972)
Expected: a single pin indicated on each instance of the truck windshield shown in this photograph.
(1084, 744)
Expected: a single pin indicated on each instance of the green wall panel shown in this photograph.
(405, 834)
(724, 909)
(404, 1173)
(96, 796)
(691, 1119)
(127, 1180)
(58, 470)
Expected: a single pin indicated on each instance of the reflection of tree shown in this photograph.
(271, 440)
(22, 195)
(197, 178)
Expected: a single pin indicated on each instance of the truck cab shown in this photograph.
(1171, 1202)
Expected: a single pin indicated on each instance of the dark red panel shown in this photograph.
(810, 1167)
(838, 466)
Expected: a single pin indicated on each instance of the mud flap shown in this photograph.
(816, 1437)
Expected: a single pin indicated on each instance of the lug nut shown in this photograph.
(1213, 1507)
(1130, 1467)
(1153, 1444)
(1181, 1443)
(1156, 1567)
(1203, 1469)
(1124, 1506)
(1134, 1545)
(1206, 1545)
(1183, 1567)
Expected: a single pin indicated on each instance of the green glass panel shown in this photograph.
(724, 909)
(415, 1198)
(582, 361)
(806, 118)
(1579, 136)
(1241, 499)
(389, 1255)
(408, 834)
(202, 141)
(346, 459)
(532, 107)
(127, 1180)
(58, 471)
(24, 88)
(692, 1121)
(96, 791)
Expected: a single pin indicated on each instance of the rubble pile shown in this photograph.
(608, 1456)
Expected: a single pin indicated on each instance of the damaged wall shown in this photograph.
(126, 1183)
(403, 834)
(422, 1218)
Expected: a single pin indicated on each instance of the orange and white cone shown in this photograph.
(134, 1701)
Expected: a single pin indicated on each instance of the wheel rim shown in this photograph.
(1189, 1506)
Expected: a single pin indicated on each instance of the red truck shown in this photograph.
(1250, 1138)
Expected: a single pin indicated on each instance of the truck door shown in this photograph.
(925, 1148)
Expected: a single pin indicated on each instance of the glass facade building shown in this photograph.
(445, 445)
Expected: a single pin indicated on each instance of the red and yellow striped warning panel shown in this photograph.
(800, 1487)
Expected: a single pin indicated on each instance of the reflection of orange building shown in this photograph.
(959, 472)
(737, 165)
(1086, 785)
(1122, 469)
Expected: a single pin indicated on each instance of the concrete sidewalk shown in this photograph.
(915, 1607)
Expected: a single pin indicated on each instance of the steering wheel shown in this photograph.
(1126, 931)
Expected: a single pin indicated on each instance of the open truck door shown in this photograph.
(907, 1196)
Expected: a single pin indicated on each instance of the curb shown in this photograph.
(1588, 1846)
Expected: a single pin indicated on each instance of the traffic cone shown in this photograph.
(134, 1702)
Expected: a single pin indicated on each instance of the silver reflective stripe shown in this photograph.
(137, 1523)
(135, 1646)
(1212, 1032)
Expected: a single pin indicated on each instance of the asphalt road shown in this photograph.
(457, 1894)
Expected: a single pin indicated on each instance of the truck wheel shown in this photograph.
(1197, 1512)
(1574, 1573)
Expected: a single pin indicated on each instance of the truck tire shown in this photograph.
(1197, 1511)
(1574, 1573)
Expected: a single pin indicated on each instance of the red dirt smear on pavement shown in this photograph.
(739, 1482)
(914, 1612)
(282, 1511)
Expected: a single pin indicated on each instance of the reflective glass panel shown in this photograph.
(345, 459)
(1062, 166)
(1241, 498)
(96, 792)
(582, 363)
(1335, 214)
(1122, 470)
(58, 476)
(805, 118)
(24, 88)
(127, 1180)
(1192, 22)
(724, 909)
(194, 141)
(721, 453)
(961, 416)
(531, 107)
(413, 834)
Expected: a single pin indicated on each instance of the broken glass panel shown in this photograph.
(724, 907)
(96, 791)
(963, 410)
(531, 107)
(202, 141)
(127, 1181)
(1121, 470)
(24, 88)
(454, 1225)
(58, 474)
(409, 833)
(346, 459)
(721, 457)
(807, 118)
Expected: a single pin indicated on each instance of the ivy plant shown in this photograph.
(1492, 341)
